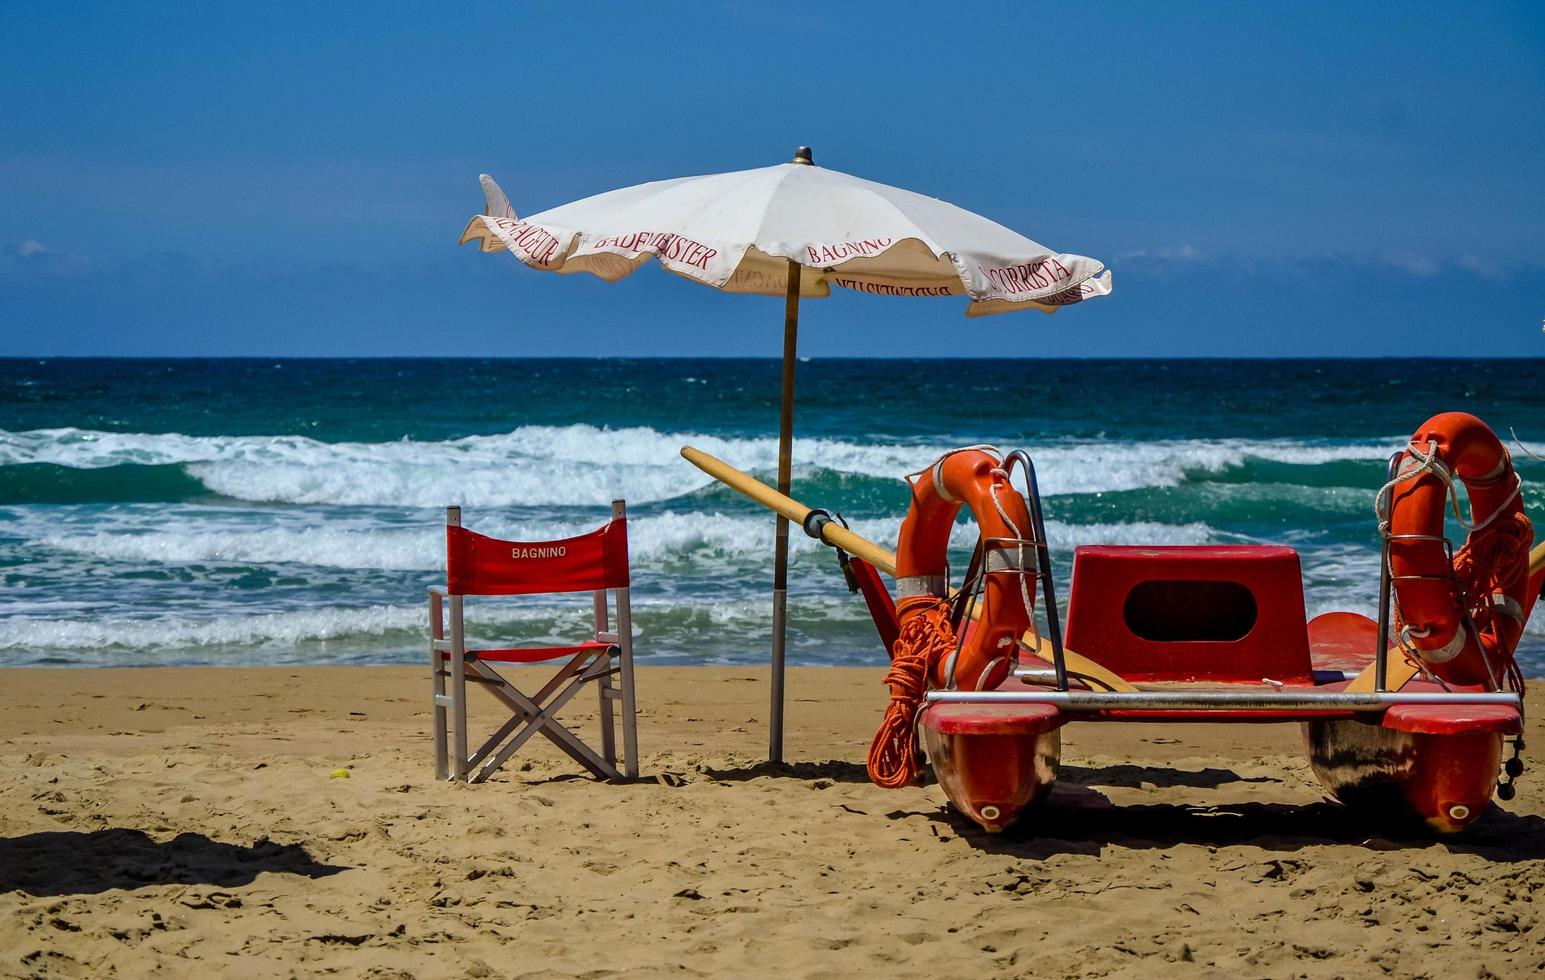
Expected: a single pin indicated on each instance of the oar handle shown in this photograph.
(832, 533)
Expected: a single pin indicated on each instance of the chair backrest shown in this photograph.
(476, 564)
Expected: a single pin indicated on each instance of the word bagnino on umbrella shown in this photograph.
(793, 229)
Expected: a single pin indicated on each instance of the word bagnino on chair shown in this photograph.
(477, 565)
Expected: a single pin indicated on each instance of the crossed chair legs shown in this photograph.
(532, 715)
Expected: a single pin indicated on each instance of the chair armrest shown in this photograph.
(438, 590)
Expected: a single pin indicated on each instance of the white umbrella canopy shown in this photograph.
(793, 230)
(739, 231)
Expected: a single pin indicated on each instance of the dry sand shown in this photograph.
(182, 822)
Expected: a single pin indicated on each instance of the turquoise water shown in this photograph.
(262, 511)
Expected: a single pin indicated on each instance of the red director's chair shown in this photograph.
(480, 565)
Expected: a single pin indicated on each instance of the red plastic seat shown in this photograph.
(1191, 612)
(993, 719)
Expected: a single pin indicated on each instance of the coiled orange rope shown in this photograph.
(926, 638)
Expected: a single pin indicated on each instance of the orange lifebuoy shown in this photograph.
(971, 478)
(1461, 619)
(926, 653)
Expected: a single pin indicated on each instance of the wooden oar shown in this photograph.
(881, 558)
(833, 534)
(1398, 670)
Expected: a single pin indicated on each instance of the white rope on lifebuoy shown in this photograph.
(1428, 462)
(937, 467)
(1019, 549)
(1383, 503)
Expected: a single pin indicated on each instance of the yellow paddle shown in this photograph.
(839, 536)
(1397, 669)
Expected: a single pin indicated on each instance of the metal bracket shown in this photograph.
(815, 522)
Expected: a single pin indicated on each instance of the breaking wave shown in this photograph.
(653, 540)
(667, 630)
(579, 465)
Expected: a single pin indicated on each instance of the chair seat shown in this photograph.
(536, 655)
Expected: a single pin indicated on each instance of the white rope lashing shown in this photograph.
(1019, 553)
(936, 468)
(1383, 503)
(1428, 462)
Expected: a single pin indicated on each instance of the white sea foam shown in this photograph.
(701, 566)
(532, 622)
(654, 540)
(329, 547)
(180, 631)
(351, 544)
(676, 624)
(582, 464)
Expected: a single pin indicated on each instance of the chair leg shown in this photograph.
(629, 723)
(605, 692)
(544, 720)
(438, 700)
(492, 743)
(576, 673)
(499, 688)
(629, 708)
(458, 691)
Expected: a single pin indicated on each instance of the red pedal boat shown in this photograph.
(1209, 634)
(1217, 635)
(1404, 717)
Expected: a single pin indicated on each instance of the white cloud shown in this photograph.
(1485, 268)
(1167, 253)
(30, 258)
(1417, 265)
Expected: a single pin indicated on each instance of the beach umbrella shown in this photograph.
(794, 230)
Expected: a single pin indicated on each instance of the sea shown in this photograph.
(278, 511)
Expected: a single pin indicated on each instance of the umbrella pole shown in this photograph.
(785, 474)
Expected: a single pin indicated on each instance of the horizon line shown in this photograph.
(803, 358)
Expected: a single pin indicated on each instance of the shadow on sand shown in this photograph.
(832, 769)
(1129, 775)
(1078, 819)
(1122, 775)
(75, 863)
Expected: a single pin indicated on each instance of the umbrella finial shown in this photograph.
(803, 155)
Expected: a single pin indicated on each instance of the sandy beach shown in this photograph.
(180, 821)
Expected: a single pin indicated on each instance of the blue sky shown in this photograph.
(1320, 179)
